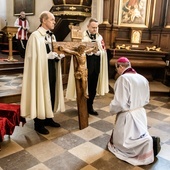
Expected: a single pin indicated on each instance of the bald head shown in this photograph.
(22, 14)
(47, 20)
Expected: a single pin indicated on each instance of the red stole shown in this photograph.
(129, 70)
(22, 23)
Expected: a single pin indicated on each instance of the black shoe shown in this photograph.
(42, 130)
(50, 122)
(156, 145)
(39, 126)
(93, 112)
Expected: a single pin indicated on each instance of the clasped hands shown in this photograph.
(54, 55)
(24, 28)
(97, 53)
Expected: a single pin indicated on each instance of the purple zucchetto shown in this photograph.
(123, 60)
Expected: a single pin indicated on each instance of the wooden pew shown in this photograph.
(148, 63)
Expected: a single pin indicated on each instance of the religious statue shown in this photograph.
(123, 46)
(154, 48)
(81, 71)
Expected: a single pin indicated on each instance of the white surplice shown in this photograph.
(130, 140)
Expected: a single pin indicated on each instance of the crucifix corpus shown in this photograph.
(78, 50)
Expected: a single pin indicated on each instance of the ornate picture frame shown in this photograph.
(134, 13)
(28, 6)
(136, 36)
(76, 33)
(167, 15)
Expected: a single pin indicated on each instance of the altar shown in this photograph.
(152, 64)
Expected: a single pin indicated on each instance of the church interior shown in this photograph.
(145, 42)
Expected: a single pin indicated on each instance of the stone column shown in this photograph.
(105, 27)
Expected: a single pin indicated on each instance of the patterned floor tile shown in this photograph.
(101, 141)
(157, 115)
(88, 152)
(8, 147)
(65, 161)
(39, 167)
(45, 150)
(88, 133)
(102, 125)
(69, 148)
(20, 160)
(68, 141)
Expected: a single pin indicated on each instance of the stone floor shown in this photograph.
(68, 148)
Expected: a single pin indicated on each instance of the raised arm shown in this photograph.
(60, 48)
(92, 49)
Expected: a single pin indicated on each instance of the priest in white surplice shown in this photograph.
(97, 66)
(130, 140)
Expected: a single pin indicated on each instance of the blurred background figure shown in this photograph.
(22, 34)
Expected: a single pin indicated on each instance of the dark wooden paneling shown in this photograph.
(157, 13)
(156, 39)
(167, 15)
(165, 42)
(155, 34)
(105, 32)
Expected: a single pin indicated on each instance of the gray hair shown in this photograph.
(127, 64)
(43, 15)
(92, 20)
(22, 12)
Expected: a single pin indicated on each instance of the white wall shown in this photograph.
(2, 13)
(40, 5)
(7, 13)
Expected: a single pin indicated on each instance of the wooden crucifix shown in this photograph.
(78, 50)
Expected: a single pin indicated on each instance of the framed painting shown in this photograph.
(28, 6)
(167, 16)
(134, 13)
(136, 36)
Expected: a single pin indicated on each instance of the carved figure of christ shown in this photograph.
(79, 51)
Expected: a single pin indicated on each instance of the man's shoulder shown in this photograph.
(132, 76)
(85, 37)
(35, 35)
(85, 33)
(99, 36)
(39, 32)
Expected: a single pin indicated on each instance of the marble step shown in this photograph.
(11, 98)
(11, 67)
